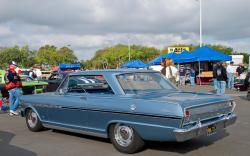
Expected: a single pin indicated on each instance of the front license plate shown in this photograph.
(211, 129)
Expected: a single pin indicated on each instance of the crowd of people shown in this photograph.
(175, 75)
(223, 74)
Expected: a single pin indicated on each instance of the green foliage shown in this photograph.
(66, 55)
(25, 57)
(15, 53)
(114, 57)
(110, 57)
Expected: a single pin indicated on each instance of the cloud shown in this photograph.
(87, 25)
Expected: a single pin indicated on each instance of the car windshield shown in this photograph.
(135, 83)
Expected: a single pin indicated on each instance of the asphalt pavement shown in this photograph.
(17, 140)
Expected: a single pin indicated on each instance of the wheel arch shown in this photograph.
(32, 108)
(122, 122)
(147, 130)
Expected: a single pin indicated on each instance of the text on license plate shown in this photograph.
(211, 129)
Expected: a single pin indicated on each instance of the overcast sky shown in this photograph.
(88, 25)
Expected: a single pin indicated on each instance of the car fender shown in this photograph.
(33, 108)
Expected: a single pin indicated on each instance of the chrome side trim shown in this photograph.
(75, 130)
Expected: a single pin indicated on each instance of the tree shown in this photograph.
(47, 55)
(66, 55)
(17, 54)
(114, 57)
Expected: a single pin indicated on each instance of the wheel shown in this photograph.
(33, 122)
(125, 139)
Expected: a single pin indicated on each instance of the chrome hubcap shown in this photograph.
(123, 135)
(32, 119)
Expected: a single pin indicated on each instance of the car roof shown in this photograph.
(112, 71)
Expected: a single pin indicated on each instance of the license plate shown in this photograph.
(211, 129)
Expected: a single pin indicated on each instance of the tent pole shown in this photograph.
(178, 67)
(199, 71)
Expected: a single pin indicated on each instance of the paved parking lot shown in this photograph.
(16, 139)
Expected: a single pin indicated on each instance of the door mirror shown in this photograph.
(62, 91)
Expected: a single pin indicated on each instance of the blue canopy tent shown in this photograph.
(156, 61)
(177, 58)
(184, 57)
(201, 54)
(134, 64)
(69, 66)
(207, 54)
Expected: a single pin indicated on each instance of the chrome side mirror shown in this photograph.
(62, 91)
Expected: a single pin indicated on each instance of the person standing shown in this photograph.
(240, 69)
(192, 76)
(220, 74)
(32, 73)
(171, 71)
(18, 70)
(163, 65)
(13, 85)
(182, 74)
(38, 73)
(230, 76)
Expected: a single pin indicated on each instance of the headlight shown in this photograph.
(232, 105)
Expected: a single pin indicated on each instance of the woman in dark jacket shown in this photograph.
(220, 74)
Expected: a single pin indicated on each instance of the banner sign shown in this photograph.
(177, 50)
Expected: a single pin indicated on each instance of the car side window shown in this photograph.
(93, 84)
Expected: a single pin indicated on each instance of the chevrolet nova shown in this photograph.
(129, 107)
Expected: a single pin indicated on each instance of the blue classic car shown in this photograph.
(129, 107)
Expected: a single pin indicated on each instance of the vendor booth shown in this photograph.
(201, 60)
(206, 54)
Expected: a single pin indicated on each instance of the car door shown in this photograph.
(101, 109)
(68, 107)
(103, 105)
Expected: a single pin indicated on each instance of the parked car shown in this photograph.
(31, 86)
(248, 93)
(248, 88)
(54, 80)
(4, 92)
(242, 83)
(129, 107)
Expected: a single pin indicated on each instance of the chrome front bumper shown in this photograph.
(201, 129)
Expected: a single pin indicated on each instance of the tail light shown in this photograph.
(187, 114)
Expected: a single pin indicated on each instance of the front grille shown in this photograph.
(209, 111)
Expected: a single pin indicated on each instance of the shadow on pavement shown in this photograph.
(178, 147)
(6, 149)
(82, 135)
(187, 146)
(244, 97)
